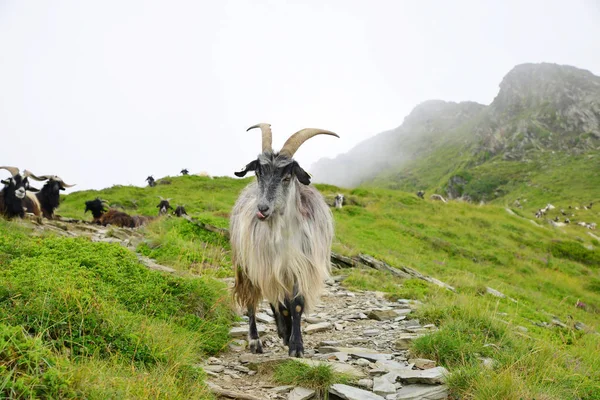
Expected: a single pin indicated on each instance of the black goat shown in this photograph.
(185, 171)
(109, 216)
(97, 207)
(151, 181)
(421, 194)
(13, 193)
(164, 206)
(48, 199)
(179, 211)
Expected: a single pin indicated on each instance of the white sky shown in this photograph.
(109, 92)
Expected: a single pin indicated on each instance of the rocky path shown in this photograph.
(360, 334)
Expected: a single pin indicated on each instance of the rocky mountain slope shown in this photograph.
(540, 109)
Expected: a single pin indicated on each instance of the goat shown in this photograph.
(281, 230)
(163, 206)
(339, 201)
(151, 181)
(421, 194)
(110, 216)
(14, 192)
(47, 199)
(179, 211)
(97, 207)
(185, 172)
(438, 197)
(204, 173)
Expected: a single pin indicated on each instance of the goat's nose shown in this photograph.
(263, 208)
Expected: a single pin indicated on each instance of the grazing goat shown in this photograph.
(281, 232)
(109, 216)
(438, 197)
(47, 199)
(164, 206)
(421, 194)
(151, 181)
(339, 201)
(185, 171)
(204, 173)
(179, 211)
(13, 193)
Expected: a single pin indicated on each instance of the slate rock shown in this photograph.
(301, 393)
(430, 376)
(422, 392)
(422, 363)
(351, 393)
(320, 327)
(384, 385)
(382, 315)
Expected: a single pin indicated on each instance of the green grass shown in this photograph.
(183, 245)
(319, 377)
(82, 319)
(373, 280)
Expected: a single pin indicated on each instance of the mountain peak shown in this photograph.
(531, 85)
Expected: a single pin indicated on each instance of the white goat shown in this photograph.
(281, 233)
(339, 200)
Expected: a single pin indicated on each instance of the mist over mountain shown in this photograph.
(540, 108)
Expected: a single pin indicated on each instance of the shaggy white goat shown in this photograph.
(281, 233)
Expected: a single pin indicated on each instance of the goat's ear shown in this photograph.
(32, 189)
(301, 174)
(6, 182)
(250, 167)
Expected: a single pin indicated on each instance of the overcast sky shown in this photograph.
(108, 92)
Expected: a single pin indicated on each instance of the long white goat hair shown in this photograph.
(293, 247)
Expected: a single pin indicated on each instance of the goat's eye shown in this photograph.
(287, 178)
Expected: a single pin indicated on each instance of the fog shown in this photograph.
(109, 92)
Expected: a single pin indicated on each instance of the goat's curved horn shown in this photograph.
(30, 174)
(62, 183)
(295, 141)
(13, 170)
(267, 136)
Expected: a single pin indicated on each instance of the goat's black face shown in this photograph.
(163, 207)
(17, 185)
(275, 173)
(96, 206)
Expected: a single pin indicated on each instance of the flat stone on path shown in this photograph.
(214, 368)
(351, 393)
(422, 392)
(404, 341)
(265, 318)
(301, 393)
(384, 385)
(242, 331)
(382, 315)
(372, 356)
(422, 363)
(320, 327)
(430, 376)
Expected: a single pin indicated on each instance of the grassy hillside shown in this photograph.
(545, 270)
(86, 320)
(555, 178)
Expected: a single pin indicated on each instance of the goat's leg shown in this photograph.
(296, 345)
(283, 321)
(253, 339)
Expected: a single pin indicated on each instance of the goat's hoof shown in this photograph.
(255, 346)
(296, 350)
